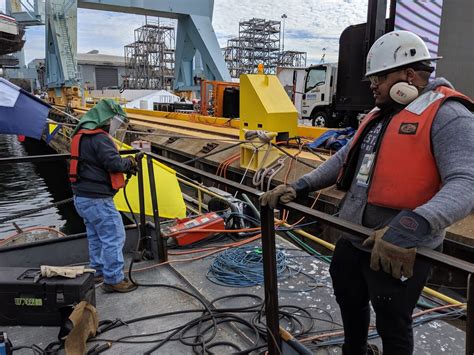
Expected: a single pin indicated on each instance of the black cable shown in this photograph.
(130, 275)
(315, 153)
(213, 153)
(293, 157)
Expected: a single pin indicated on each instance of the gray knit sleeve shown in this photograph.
(452, 136)
(324, 175)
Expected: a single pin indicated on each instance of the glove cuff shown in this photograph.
(409, 222)
(301, 187)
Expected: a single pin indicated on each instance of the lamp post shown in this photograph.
(283, 43)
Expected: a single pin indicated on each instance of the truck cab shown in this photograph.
(319, 89)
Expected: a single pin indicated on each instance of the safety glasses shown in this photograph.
(377, 79)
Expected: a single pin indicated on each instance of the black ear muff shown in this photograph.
(403, 93)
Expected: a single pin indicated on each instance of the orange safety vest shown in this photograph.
(404, 174)
(116, 179)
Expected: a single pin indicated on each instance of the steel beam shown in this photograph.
(158, 243)
(375, 21)
(470, 316)
(159, 8)
(141, 199)
(270, 280)
(61, 44)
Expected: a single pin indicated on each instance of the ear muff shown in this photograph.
(403, 93)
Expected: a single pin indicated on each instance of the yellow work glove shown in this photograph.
(395, 260)
(281, 193)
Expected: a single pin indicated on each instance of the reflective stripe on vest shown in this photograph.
(405, 174)
(117, 180)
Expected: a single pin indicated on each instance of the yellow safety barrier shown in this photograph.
(170, 199)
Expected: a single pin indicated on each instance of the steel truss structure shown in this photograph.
(150, 60)
(259, 42)
(293, 59)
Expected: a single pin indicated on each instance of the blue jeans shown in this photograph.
(105, 235)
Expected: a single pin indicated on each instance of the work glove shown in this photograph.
(394, 247)
(281, 193)
(139, 156)
(133, 169)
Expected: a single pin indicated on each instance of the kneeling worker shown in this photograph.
(408, 174)
(96, 173)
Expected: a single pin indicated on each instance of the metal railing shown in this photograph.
(269, 248)
(268, 238)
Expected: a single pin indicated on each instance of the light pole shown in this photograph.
(283, 43)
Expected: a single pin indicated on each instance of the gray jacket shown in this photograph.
(452, 137)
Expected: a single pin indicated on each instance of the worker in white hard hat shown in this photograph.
(408, 173)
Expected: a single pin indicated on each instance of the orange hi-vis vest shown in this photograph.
(117, 180)
(404, 173)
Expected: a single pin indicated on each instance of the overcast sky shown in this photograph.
(311, 25)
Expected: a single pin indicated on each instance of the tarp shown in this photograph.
(169, 196)
(20, 112)
(160, 96)
(333, 139)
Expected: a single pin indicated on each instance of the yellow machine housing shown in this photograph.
(264, 105)
(66, 96)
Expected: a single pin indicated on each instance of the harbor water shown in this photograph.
(27, 186)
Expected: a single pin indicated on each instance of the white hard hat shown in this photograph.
(396, 49)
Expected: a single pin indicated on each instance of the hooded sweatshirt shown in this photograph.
(453, 146)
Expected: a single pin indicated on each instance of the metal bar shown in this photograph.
(160, 251)
(141, 199)
(34, 159)
(391, 18)
(200, 201)
(270, 277)
(49, 157)
(375, 21)
(470, 316)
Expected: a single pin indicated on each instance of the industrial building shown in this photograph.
(100, 71)
(97, 71)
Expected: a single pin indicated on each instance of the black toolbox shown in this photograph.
(27, 299)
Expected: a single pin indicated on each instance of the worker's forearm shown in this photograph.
(324, 176)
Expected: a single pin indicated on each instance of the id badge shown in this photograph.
(363, 175)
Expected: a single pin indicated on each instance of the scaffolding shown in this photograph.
(292, 59)
(259, 42)
(150, 60)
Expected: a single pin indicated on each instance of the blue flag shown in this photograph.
(20, 112)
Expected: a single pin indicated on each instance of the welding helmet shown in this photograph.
(396, 49)
(118, 126)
